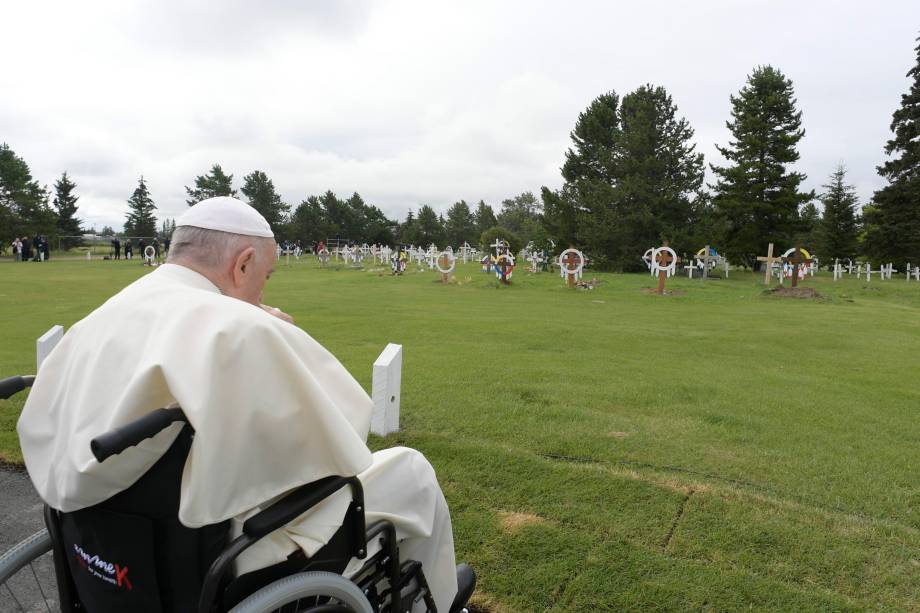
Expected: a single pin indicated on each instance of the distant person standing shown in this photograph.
(129, 249)
(46, 249)
(17, 249)
(26, 249)
(156, 249)
(117, 245)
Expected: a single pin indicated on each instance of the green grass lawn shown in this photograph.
(612, 450)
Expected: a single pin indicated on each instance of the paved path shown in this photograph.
(21, 516)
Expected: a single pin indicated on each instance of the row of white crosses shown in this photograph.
(385, 392)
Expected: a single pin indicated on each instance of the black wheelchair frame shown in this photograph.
(405, 582)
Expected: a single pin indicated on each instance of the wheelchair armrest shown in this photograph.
(14, 385)
(299, 502)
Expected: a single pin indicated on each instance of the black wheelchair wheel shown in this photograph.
(27, 581)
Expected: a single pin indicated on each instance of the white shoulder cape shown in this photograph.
(271, 408)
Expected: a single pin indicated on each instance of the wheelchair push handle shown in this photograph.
(117, 440)
(14, 385)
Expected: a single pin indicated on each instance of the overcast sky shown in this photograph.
(416, 102)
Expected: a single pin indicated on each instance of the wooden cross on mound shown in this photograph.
(797, 259)
(768, 262)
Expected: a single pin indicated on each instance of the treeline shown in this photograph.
(632, 179)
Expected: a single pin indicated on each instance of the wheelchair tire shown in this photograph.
(305, 585)
(23, 553)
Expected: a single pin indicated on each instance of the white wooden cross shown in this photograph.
(849, 267)
(465, 251)
(689, 268)
(908, 271)
(385, 390)
(46, 343)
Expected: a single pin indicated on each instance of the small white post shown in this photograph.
(46, 343)
(385, 390)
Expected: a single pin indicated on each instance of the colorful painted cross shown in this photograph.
(797, 259)
(504, 267)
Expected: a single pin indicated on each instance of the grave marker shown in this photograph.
(504, 268)
(446, 263)
(571, 265)
(768, 263)
(385, 390)
(664, 262)
(797, 257)
(46, 344)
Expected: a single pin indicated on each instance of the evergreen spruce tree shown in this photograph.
(211, 185)
(260, 192)
(836, 235)
(460, 226)
(484, 218)
(141, 220)
(757, 197)
(632, 179)
(429, 227)
(307, 222)
(893, 222)
(408, 230)
(24, 207)
(65, 202)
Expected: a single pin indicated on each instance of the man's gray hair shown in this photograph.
(211, 248)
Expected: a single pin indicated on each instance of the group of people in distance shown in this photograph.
(141, 245)
(35, 249)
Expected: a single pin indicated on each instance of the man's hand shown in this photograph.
(277, 313)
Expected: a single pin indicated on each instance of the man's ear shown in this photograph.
(245, 258)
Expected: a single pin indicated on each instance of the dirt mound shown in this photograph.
(794, 292)
(667, 292)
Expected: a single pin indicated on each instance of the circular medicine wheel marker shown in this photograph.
(445, 263)
(149, 252)
(567, 259)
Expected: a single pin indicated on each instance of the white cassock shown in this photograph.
(271, 408)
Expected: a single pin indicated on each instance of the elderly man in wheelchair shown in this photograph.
(197, 451)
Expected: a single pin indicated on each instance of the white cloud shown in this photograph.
(412, 102)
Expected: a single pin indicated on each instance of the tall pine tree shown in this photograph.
(837, 232)
(484, 218)
(24, 207)
(893, 222)
(460, 226)
(632, 179)
(260, 192)
(757, 196)
(141, 221)
(211, 185)
(65, 202)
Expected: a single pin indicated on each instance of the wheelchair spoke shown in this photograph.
(39, 584)
(16, 600)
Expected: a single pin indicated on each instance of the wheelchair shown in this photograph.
(131, 553)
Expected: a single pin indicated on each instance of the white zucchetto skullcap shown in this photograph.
(226, 215)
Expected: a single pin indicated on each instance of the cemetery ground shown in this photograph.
(605, 450)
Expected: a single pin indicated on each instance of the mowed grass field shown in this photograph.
(612, 450)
